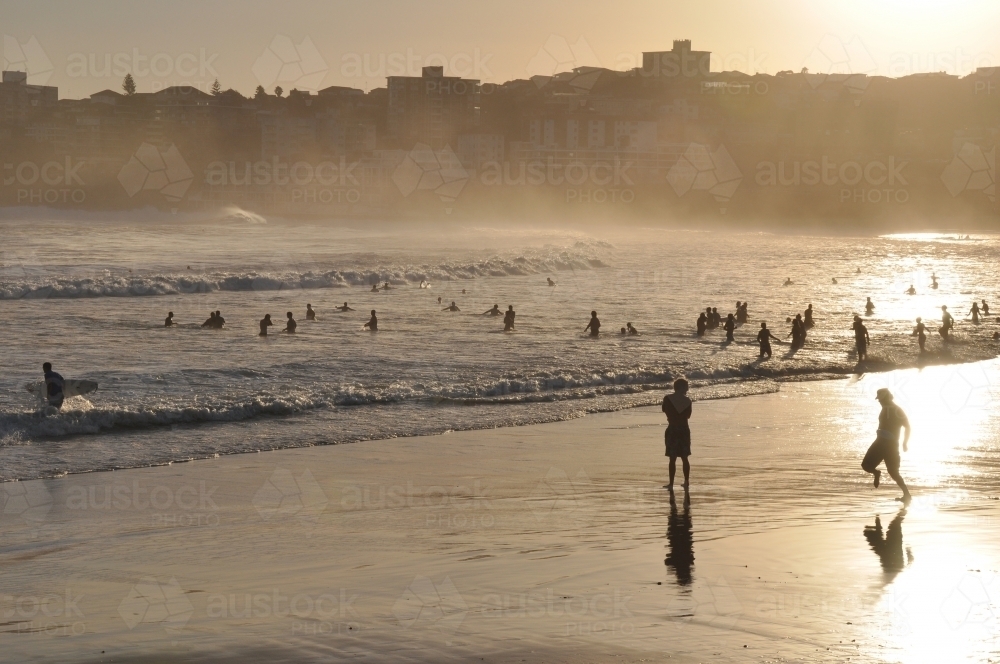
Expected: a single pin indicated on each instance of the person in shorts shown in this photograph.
(886, 445)
(677, 407)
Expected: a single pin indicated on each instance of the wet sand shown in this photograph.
(547, 543)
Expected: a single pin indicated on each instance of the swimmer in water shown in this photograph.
(372, 323)
(220, 322)
(386, 286)
(934, 283)
(716, 317)
(788, 282)
(211, 320)
(869, 307)
(702, 324)
(947, 322)
(344, 308)
(809, 323)
(551, 283)
(374, 288)
(975, 313)
(508, 318)
(594, 326)
(911, 290)
(310, 314)
(291, 324)
(920, 332)
(764, 339)
(741, 313)
(631, 330)
(169, 322)
(463, 291)
(439, 299)
(985, 308)
(861, 338)
(495, 311)
(730, 327)
(858, 271)
(451, 307)
(835, 280)
(624, 332)
(264, 324)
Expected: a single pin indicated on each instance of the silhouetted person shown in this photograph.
(680, 538)
(788, 282)
(911, 290)
(920, 332)
(463, 291)
(508, 318)
(889, 548)
(624, 332)
(809, 317)
(220, 322)
(54, 384)
(886, 445)
(709, 318)
(374, 288)
(986, 309)
(495, 311)
(631, 330)
(861, 338)
(310, 314)
(386, 286)
(716, 317)
(439, 299)
(741, 313)
(934, 282)
(730, 327)
(798, 333)
(947, 322)
(372, 323)
(858, 271)
(975, 313)
(835, 280)
(594, 326)
(551, 283)
(451, 307)
(344, 308)
(291, 324)
(211, 320)
(169, 322)
(677, 437)
(264, 324)
(764, 339)
(702, 324)
(869, 307)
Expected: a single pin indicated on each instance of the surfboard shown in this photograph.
(71, 388)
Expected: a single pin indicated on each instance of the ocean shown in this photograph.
(90, 294)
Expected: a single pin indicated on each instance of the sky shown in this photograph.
(84, 46)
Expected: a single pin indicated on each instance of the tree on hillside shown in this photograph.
(278, 91)
(260, 93)
(128, 85)
(216, 88)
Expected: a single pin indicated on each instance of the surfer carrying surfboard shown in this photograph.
(53, 386)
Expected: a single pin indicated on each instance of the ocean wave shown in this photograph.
(109, 284)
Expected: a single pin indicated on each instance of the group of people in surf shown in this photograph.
(508, 316)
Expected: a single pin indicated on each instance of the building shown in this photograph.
(474, 150)
(432, 109)
(679, 62)
(19, 101)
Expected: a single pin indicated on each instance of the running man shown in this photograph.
(169, 322)
(291, 324)
(310, 313)
(594, 326)
(508, 318)
(764, 338)
(861, 338)
(677, 437)
(53, 386)
(372, 323)
(264, 324)
(886, 445)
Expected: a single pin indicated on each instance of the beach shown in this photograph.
(554, 542)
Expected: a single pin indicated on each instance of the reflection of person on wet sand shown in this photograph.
(889, 546)
(680, 539)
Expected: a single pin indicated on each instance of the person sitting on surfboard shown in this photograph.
(291, 324)
(344, 308)
(169, 322)
(264, 324)
(53, 386)
(372, 324)
(310, 314)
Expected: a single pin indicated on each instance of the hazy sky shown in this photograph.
(84, 46)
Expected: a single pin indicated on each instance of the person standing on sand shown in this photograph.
(861, 338)
(594, 326)
(886, 445)
(677, 437)
(764, 338)
(920, 332)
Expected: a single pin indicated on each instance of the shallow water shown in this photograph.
(91, 295)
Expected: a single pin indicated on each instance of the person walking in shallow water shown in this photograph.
(975, 313)
(947, 322)
(677, 437)
(764, 339)
(730, 327)
(702, 324)
(594, 325)
(861, 338)
(920, 332)
(508, 319)
(886, 445)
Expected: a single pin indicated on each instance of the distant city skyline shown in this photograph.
(313, 44)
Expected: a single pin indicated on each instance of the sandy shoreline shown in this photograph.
(551, 542)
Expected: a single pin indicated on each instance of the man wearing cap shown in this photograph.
(886, 445)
